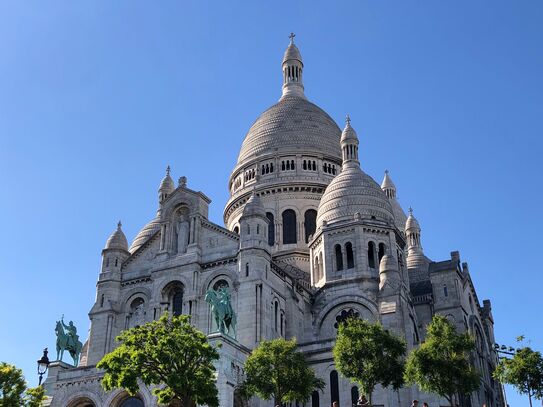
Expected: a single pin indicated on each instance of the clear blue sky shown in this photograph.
(97, 98)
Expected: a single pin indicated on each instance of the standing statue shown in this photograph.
(182, 230)
(68, 340)
(221, 308)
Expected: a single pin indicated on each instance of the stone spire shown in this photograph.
(415, 254)
(388, 186)
(166, 186)
(117, 240)
(292, 70)
(349, 145)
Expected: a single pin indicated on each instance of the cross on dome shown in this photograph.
(348, 120)
(291, 36)
(119, 225)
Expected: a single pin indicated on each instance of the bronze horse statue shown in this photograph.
(68, 341)
(222, 311)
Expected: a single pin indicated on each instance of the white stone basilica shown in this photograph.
(309, 239)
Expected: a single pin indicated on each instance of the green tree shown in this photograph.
(13, 390)
(169, 353)
(524, 371)
(441, 364)
(275, 369)
(369, 355)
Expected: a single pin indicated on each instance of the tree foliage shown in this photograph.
(368, 354)
(13, 390)
(441, 364)
(169, 353)
(275, 369)
(524, 371)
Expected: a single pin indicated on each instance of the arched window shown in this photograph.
(354, 395)
(276, 316)
(236, 230)
(246, 269)
(371, 255)
(310, 222)
(82, 402)
(334, 387)
(271, 228)
(315, 402)
(382, 251)
(289, 227)
(350, 255)
(281, 323)
(177, 302)
(132, 402)
(220, 283)
(339, 257)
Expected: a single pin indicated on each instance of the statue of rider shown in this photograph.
(73, 337)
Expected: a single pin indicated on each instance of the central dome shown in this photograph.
(292, 125)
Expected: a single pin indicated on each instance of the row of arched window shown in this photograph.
(309, 165)
(329, 168)
(250, 174)
(290, 234)
(267, 168)
(288, 165)
(349, 256)
(292, 74)
(375, 254)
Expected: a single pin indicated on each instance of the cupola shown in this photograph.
(166, 186)
(293, 70)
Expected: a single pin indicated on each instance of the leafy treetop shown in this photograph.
(169, 353)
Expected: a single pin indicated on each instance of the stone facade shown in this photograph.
(309, 239)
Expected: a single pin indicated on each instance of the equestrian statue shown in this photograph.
(221, 308)
(68, 339)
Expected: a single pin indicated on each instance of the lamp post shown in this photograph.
(43, 365)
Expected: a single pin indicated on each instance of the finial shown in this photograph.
(348, 120)
(182, 182)
(386, 172)
(291, 36)
(119, 225)
(168, 171)
(411, 211)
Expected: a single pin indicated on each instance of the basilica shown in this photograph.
(308, 240)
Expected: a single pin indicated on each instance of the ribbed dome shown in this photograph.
(292, 52)
(412, 222)
(351, 192)
(144, 234)
(117, 240)
(292, 125)
(167, 184)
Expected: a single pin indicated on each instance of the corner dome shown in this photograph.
(293, 125)
(144, 234)
(353, 192)
(254, 207)
(117, 240)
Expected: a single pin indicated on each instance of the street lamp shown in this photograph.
(43, 365)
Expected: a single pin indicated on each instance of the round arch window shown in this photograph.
(132, 402)
(220, 283)
(344, 316)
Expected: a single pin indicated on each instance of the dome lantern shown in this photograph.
(349, 144)
(166, 186)
(292, 70)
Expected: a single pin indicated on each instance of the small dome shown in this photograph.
(411, 223)
(291, 53)
(387, 264)
(387, 182)
(254, 207)
(144, 234)
(351, 192)
(117, 240)
(348, 132)
(167, 185)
